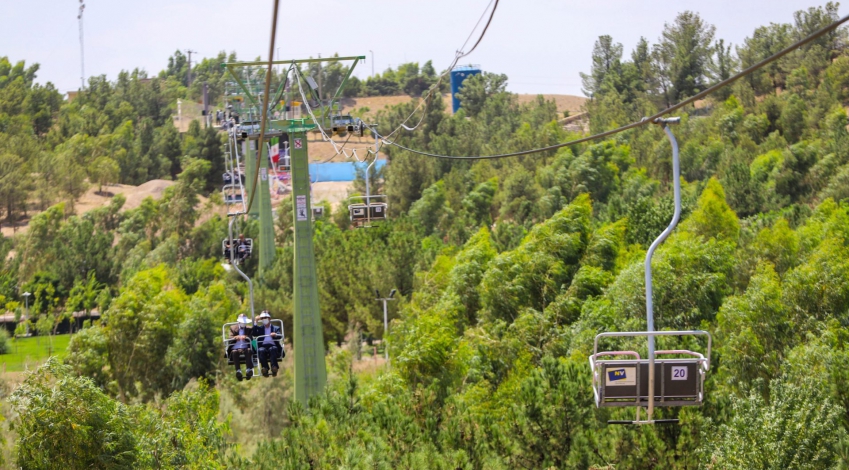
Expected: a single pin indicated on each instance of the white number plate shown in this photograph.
(679, 372)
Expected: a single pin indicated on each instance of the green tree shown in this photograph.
(66, 418)
(799, 423)
(477, 89)
(684, 56)
(606, 66)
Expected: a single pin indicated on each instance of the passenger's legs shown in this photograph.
(235, 355)
(264, 353)
(274, 352)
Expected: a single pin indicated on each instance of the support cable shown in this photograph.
(645, 120)
(265, 100)
(327, 138)
(459, 54)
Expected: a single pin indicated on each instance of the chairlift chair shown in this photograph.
(232, 194)
(258, 340)
(363, 214)
(229, 178)
(341, 124)
(317, 212)
(225, 337)
(243, 250)
(624, 378)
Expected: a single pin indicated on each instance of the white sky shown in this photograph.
(541, 45)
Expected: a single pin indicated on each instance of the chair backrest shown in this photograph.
(625, 382)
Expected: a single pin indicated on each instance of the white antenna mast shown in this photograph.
(82, 53)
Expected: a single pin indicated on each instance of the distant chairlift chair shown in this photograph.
(342, 124)
(229, 178)
(243, 250)
(363, 214)
(649, 382)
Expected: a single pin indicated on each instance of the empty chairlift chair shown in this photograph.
(364, 214)
(232, 194)
(622, 378)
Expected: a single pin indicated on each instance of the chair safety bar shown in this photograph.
(682, 351)
(618, 353)
(705, 357)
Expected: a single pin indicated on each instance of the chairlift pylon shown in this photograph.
(639, 382)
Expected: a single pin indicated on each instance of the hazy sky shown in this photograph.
(541, 45)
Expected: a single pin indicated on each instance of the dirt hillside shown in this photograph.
(92, 200)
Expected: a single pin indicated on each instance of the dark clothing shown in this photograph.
(234, 332)
(237, 354)
(268, 352)
(259, 333)
(238, 351)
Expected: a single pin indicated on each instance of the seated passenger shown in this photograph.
(268, 343)
(240, 346)
(244, 248)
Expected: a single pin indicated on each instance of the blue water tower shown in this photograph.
(458, 75)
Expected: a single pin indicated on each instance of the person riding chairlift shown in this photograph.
(268, 343)
(241, 335)
(242, 246)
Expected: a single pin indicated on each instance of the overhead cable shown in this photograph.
(338, 150)
(645, 120)
(265, 98)
(459, 54)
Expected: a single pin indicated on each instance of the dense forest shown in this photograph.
(506, 270)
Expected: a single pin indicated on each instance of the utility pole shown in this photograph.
(385, 320)
(189, 73)
(82, 50)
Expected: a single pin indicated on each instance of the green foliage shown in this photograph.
(184, 433)
(754, 330)
(712, 217)
(506, 269)
(800, 426)
(66, 418)
(88, 355)
(5, 342)
(532, 274)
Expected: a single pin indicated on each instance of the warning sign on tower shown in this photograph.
(298, 144)
(301, 205)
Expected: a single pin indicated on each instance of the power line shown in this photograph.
(645, 120)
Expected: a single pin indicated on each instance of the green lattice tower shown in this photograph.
(250, 172)
(310, 369)
(266, 222)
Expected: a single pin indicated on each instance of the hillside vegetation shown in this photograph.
(506, 270)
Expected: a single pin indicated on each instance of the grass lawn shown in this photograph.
(31, 352)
